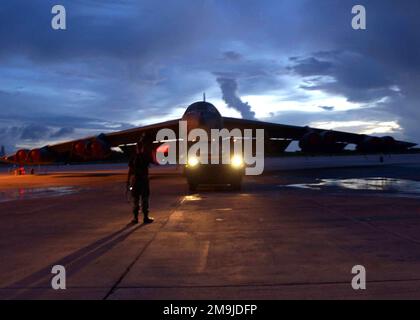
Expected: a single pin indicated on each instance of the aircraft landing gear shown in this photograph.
(236, 186)
(192, 187)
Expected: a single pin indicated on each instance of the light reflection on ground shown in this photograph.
(194, 197)
(32, 193)
(392, 186)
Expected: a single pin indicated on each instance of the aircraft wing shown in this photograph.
(277, 138)
(318, 140)
(88, 148)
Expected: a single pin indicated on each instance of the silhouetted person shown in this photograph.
(138, 182)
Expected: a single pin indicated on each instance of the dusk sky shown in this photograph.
(128, 63)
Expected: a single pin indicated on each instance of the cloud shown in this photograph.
(16, 136)
(232, 55)
(310, 66)
(63, 132)
(33, 132)
(122, 63)
(327, 108)
(350, 74)
(229, 89)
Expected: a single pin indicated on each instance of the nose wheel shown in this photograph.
(192, 187)
(236, 186)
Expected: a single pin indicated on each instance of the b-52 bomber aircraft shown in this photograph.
(204, 115)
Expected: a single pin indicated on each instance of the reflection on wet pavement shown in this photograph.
(32, 193)
(194, 197)
(398, 187)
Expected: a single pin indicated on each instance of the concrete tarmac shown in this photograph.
(286, 235)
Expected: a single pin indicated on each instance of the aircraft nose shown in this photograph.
(202, 119)
(193, 120)
(198, 120)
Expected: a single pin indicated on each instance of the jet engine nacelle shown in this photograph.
(328, 138)
(99, 149)
(389, 143)
(311, 142)
(80, 148)
(325, 141)
(94, 149)
(42, 155)
(21, 156)
(376, 144)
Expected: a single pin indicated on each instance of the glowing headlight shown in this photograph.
(237, 162)
(193, 161)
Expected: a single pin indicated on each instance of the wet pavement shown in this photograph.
(391, 181)
(273, 240)
(377, 185)
(32, 193)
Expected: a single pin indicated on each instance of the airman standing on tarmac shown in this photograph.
(138, 182)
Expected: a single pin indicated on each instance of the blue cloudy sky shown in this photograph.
(132, 62)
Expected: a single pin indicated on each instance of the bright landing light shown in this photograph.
(193, 161)
(237, 161)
